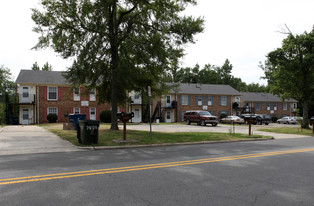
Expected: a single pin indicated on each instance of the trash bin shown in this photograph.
(87, 132)
(75, 118)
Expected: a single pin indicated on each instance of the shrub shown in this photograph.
(52, 118)
(223, 115)
(105, 116)
(274, 119)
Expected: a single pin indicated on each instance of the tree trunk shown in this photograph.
(113, 29)
(305, 122)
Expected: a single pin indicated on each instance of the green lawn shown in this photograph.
(107, 136)
(289, 130)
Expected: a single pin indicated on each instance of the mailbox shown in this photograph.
(125, 117)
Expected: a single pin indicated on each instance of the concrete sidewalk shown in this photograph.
(31, 139)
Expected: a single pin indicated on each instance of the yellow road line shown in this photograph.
(142, 167)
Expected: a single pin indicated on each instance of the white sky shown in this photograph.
(243, 31)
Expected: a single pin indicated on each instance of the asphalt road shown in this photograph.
(274, 172)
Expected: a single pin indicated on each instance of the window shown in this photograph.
(258, 106)
(52, 93)
(136, 96)
(76, 110)
(294, 105)
(210, 101)
(237, 99)
(52, 110)
(76, 94)
(92, 95)
(185, 100)
(275, 105)
(223, 100)
(168, 99)
(268, 106)
(199, 100)
(285, 106)
(25, 92)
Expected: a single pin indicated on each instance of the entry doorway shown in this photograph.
(92, 113)
(168, 116)
(25, 116)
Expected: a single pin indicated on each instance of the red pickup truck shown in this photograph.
(200, 117)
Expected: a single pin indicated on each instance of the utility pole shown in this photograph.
(150, 111)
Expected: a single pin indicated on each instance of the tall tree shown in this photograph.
(35, 66)
(290, 70)
(6, 83)
(47, 67)
(117, 45)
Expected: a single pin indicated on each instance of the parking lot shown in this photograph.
(224, 128)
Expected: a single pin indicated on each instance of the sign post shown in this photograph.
(150, 111)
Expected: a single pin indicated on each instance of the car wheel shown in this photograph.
(278, 122)
(221, 121)
(202, 122)
(188, 122)
(214, 124)
(266, 123)
(287, 122)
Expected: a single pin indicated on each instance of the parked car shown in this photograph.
(311, 120)
(258, 119)
(200, 117)
(287, 120)
(232, 119)
(264, 119)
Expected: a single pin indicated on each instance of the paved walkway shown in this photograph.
(31, 139)
(244, 129)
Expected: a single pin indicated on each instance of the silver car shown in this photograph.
(232, 119)
(287, 120)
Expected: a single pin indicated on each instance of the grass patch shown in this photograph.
(106, 136)
(289, 130)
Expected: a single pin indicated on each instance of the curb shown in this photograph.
(170, 144)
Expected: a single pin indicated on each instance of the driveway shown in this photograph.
(225, 128)
(31, 139)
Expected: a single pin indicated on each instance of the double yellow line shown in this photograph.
(142, 167)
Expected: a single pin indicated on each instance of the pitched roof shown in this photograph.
(40, 77)
(186, 88)
(262, 97)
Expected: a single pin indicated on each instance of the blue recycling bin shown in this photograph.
(75, 118)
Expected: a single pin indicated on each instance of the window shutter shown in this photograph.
(219, 102)
(59, 93)
(181, 115)
(197, 100)
(45, 113)
(203, 100)
(46, 92)
(212, 100)
(59, 113)
(227, 100)
(87, 113)
(188, 99)
(206, 100)
(180, 99)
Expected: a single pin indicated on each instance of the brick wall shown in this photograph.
(65, 104)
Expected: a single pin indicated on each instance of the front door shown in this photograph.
(92, 113)
(168, 116)
(136, 117)
(25, 116)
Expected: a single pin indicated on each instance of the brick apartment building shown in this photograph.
(44, 92)
(266, 103)
(216, 99)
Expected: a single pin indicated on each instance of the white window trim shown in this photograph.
(76, 97)
(285, 106)
(92, 97)
(79, 110)
(51, 108)
(56, 93)
(199, 100)
(185, 101)
(224, 103)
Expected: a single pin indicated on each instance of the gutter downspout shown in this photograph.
(37, 103)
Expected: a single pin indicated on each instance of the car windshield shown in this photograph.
(205, 113)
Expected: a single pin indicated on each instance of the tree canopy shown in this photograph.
(212, 74)
(117, 45)
(6, 83)
(46, 67)
(290, 69)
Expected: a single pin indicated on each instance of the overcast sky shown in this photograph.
(243, 31)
